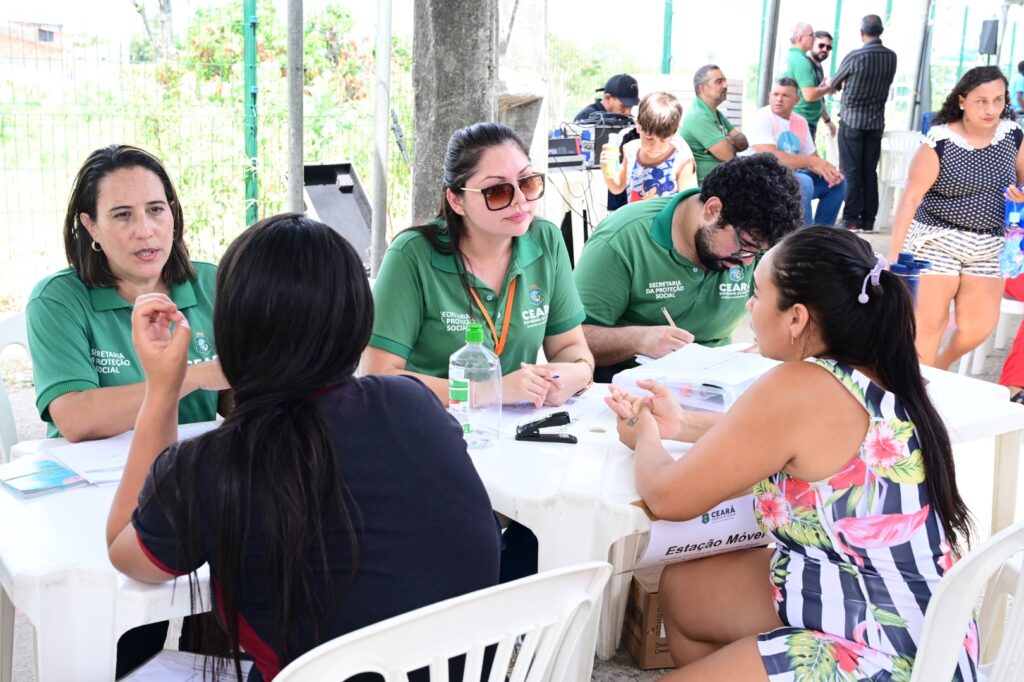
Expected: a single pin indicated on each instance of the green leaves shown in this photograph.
(908, 470)
(889, 618)
(812, 659)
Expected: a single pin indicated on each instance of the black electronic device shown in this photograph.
(531, 430)
(988, 43)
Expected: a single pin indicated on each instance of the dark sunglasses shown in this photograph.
(823, 46)
(497, 197)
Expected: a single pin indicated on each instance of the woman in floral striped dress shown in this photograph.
(852, 473)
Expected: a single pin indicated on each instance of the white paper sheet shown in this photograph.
(179, 666)
(102, 461)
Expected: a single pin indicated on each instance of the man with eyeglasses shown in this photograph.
(819, 52)
(801, 68)
(662, 273)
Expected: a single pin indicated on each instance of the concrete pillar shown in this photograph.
(522, 64)
(454, 75)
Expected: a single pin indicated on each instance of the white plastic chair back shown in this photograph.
(12, 331)
(548, 611)
(942, 637)
(898, 149)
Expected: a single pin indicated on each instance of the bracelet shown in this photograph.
(589, 383)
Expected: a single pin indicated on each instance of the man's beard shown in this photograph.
(707, 258)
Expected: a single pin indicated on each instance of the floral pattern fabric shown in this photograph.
(857, 558)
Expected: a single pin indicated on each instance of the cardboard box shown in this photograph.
(643, 630)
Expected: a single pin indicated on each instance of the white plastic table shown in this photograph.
(577, 499)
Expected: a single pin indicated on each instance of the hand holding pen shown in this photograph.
(658, 341)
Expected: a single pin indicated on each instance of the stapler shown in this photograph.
(532, 430)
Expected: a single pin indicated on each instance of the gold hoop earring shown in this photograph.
(95, 246)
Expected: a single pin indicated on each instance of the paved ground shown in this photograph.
(18, 379)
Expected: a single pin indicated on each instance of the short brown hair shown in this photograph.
(659, 114)
(92, 266)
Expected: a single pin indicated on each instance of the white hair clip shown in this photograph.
(874, 274)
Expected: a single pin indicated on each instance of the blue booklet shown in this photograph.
(31, 477)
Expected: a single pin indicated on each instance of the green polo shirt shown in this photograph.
(629, 270)
(800, 69)
(81, 338)
(422, 309)
(702, 129)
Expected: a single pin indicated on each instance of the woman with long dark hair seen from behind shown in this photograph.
(951, 213)
(324, 502)
(863, 505)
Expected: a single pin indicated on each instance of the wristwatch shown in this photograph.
(589, 383)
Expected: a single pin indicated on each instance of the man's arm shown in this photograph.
(836, 82)
(811, 162)
(612, 345)
(737, 139)
(1020, 100)
(812, 93)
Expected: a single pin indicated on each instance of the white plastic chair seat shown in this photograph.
(546, 612)
(942, 636)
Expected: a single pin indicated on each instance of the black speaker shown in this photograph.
(989, 37)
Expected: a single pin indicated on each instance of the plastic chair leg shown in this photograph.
(6, 636)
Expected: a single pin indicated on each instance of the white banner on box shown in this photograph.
(725, 528)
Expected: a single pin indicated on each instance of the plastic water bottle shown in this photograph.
(909, 268)
(611, 148)
(474, 389)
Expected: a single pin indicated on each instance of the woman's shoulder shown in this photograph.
(545, 232)
(61, 285)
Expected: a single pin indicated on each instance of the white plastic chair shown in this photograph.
(974, 362)
(898, 148)
(12, 331)
(548, 611)
(942, 636)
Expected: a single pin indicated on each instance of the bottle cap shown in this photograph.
(613, 139)
(474, 333)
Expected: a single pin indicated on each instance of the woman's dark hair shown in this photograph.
(979, 75)
(292, 315)
(824, 268)
(760, 196)
(92, 266)
(446, 232)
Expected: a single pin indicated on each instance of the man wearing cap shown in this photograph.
(621, 94)
(711, 136)
(662, 273)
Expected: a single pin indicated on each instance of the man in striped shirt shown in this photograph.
(864, 77)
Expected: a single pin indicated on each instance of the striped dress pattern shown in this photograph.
(857, 557)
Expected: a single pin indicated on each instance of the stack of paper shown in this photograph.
(701, 378)
(102, 461)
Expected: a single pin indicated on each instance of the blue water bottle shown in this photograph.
(909, 268)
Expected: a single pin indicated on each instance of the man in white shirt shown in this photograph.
(776, 129)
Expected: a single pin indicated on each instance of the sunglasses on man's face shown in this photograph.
(497, 197)
(823, 46)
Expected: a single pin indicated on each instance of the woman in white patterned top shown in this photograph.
(952, 213)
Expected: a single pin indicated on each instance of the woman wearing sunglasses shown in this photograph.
(486, 258)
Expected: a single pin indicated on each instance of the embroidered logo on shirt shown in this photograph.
(108, 361)
(736, 273)
(536, 295)
(201, 344)
(535, 317)
(665, 289)
(453, 321)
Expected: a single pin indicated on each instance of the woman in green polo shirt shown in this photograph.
(123, 236)
(485, 258)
